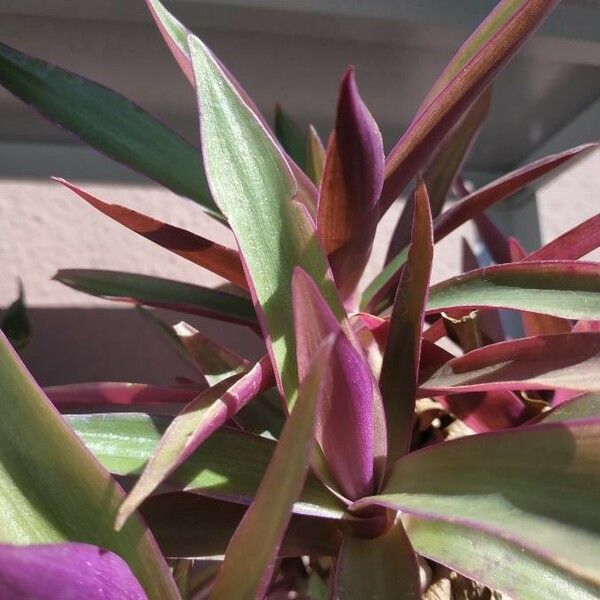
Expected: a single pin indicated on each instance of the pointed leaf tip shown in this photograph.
(252, 183)
(400, 367)
(15, 323)
(203, 252)
(347, 213)
(351, 404)
(315, 156)
(209, 411)
(108, 122)
(476, 64)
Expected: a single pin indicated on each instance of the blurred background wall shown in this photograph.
(293, 52)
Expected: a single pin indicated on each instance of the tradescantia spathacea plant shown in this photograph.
(359, 458)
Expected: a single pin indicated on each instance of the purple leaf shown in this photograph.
(570, 361)
(347, 213)
(443, 169)
(211, 255)
(501, 188)
(400, 367)
(436, 331)
(109, 396)
(345, 420)
(478, 67)
(69, 571)
(481, 411)
(196, 422)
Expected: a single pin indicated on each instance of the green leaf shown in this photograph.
(160, 293)
(176, 35)
(290, 137)
(15, 323)
(472, 206)
(519, 498)
(53, 490)
(108, 122)
(568, 289)
(255, 189)
(197, 421)
(580, 407)
(502, 564)
(248, 566)
(229, 464)
(381, 568)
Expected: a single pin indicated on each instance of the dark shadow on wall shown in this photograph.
(71, 345)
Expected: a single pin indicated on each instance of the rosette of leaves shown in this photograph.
(359, 458)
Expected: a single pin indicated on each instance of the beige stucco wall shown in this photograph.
(44, 227)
